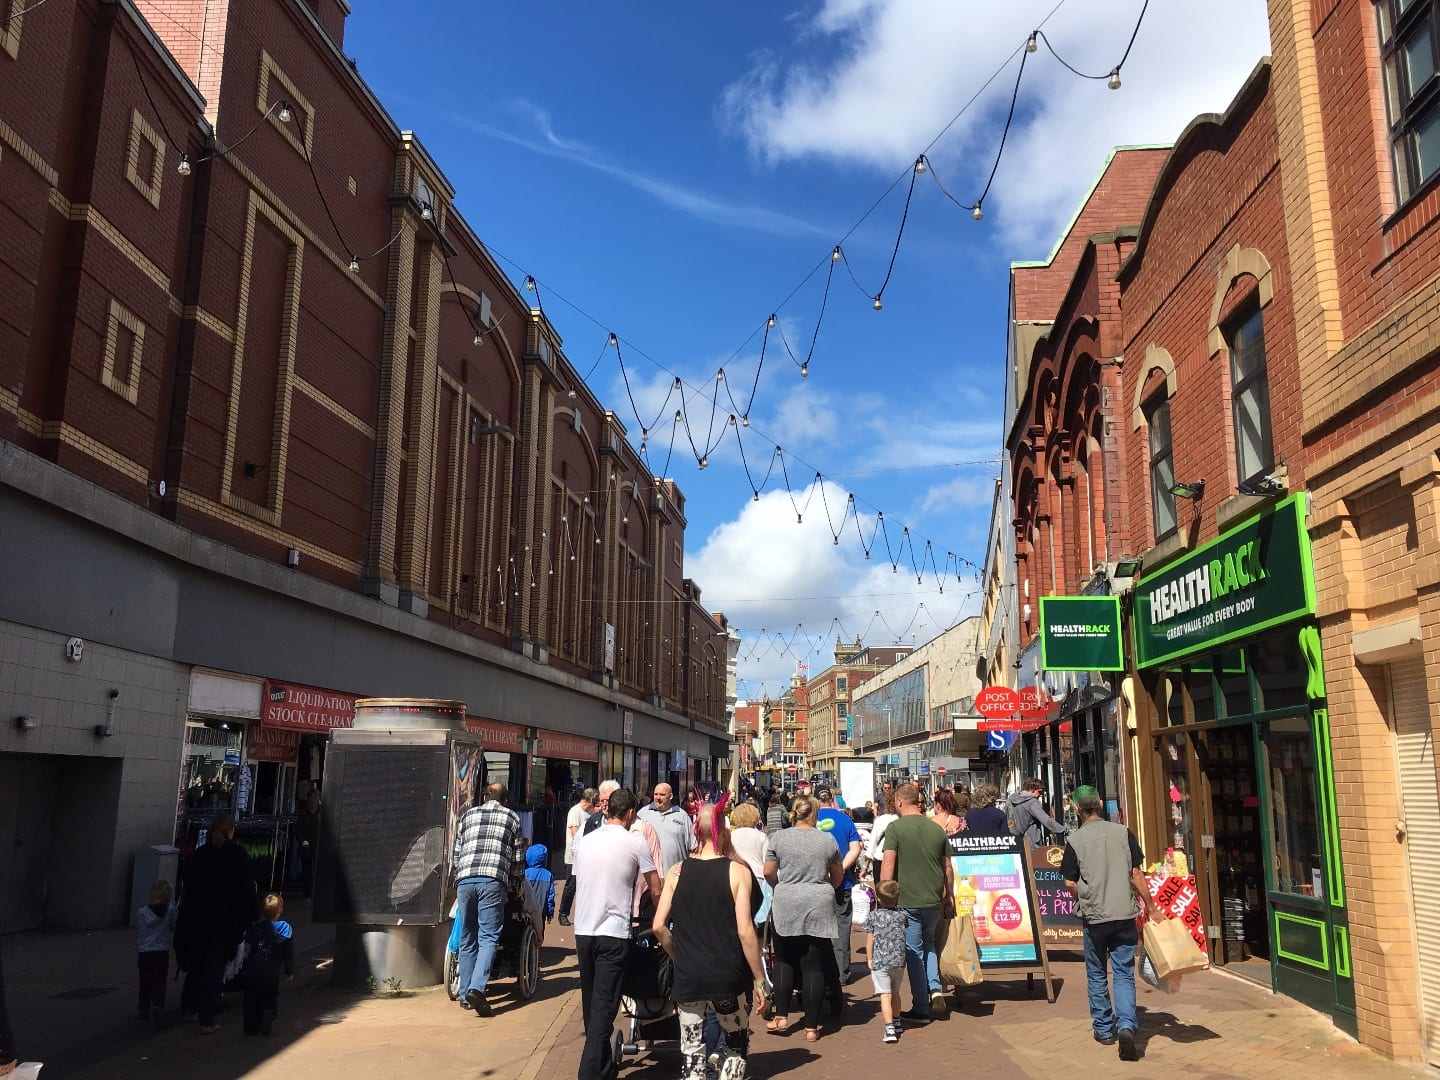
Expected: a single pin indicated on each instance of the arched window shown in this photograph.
(1162, 465)
(1250, 393)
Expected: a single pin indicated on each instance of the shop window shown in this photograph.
(1410, 37)
(1233, 671)
(1171, 697)
(1279, 673)
(1250, 394)
(1202, 694)
(1179, 804)
(1162, 467)
(1294, 817)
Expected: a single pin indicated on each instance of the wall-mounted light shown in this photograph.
(1264, 485)
(107, 729)
(1127, 568)
(1193, 491)
(25, 723)
(292, 557)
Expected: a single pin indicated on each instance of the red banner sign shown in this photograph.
(1016, 723)
(496, 734)
(997, 702)
(306, 708)
(553, 744)
(1035, 704)
(271, 744)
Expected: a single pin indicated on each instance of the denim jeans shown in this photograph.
(921, 960)
(1113, 943)
(481, 914)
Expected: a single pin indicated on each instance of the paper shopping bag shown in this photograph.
(960, 955)
(1146, 968)
(1171, 949)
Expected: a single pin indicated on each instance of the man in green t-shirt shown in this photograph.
(917, 855)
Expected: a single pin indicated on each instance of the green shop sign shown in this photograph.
(1251, 578)
(1080, 633)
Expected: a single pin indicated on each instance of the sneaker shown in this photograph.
(892, 1033)
(939, 1003)
(1105, 1040)
(564, 920)
(1128, 1052)
(464, 1004)
(208, 1029)
(910, 1016)
(478, 1003)
(157, 1014)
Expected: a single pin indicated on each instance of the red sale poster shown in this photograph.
(1178, 898)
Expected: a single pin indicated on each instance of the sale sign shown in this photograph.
(1179, 898)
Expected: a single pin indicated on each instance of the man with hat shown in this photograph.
(847, 838)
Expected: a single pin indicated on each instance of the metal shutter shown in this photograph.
(1415, 749)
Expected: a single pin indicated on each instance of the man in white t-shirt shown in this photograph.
(574, 822)
(608, 861)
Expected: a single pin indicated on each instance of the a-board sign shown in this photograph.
(992, 882)
(1059, 923)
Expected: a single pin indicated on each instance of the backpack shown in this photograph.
(1019, 826)
(593, 822)
(262, 953)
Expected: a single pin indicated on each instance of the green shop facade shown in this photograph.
(1233, 753)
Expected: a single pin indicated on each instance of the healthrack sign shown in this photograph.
(1080, 633)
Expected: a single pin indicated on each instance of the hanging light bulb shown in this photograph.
(642, 448)
(976, 212)
(285, 115)
(745, 420)
(355, 268)
(805, 368)
(613, 343)
(677, 416)
(920, 164)
(529, 283)
(757, 496)
(571, 394)
(644, 434)
(479, 338)
(678, 384)
(732, 419)
(704, 462)
(770, 325)
(1114, 80)
(184, 167)
(877, 305)
(426, 214)
(835, 255)
(720, 375)
(1031, 43)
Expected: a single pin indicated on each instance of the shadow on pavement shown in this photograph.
(1165, 1025)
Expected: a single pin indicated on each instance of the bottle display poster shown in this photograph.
(993, 884)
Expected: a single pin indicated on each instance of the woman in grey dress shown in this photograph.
(803, 866)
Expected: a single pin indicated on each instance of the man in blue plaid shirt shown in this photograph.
(489, 863)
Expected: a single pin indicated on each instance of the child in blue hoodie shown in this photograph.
(269, 952)
(540, 880)
(155, 923)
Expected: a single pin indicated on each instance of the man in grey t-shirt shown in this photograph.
(1101, 869)
(672, 825)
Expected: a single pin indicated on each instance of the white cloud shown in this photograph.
(872, 81)
(678, 196)
(792, 590)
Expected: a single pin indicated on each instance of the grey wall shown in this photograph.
(117, 793)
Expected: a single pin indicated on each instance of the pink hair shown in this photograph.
(711, 827)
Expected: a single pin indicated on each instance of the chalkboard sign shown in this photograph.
(993, 883)
(1060, 924)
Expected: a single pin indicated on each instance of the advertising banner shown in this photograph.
(993, 884)
(1255, 576)
(271, 744)
(496, 734)
(1080, 633)
(306, 708)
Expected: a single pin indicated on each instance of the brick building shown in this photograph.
(266, 394)
(784, 722)
(830, 726)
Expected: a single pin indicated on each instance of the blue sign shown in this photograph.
(999, 740)
(924, 768)
(232, 757)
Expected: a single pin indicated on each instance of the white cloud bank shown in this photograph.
(871, 82)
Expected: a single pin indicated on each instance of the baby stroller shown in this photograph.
(518, 952)
(644, 990)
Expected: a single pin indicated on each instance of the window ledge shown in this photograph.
(1172, 546)
(1409, 220)
(1238, 507)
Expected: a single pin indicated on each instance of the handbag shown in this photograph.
(1171, 949)
(1148, 974)
(960, 955)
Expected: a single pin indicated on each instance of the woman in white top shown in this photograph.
(876, 850)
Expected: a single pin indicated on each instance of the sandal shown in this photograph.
(779, 1026)
(812, 1035)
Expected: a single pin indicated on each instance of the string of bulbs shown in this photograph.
(739, 418)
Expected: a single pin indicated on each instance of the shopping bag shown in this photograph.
(234, 967)
(960, 955)
(1171, 949)
(1147, 971)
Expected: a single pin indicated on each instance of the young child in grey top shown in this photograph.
(886, 949)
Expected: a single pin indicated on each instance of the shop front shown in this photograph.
(1235, 772)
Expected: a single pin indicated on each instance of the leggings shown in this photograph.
(802, 962)
(734, 1018)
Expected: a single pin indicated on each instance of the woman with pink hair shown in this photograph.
(705, 921)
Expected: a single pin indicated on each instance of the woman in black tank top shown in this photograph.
(705, 921)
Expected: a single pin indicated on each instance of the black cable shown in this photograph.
(1005, 134)
(145, 87)
(23, 11)
(1065, 63)
(1133, 35)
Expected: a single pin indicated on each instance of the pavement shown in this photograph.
(71, 1000)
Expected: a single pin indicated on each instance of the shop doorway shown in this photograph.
(1244, 946)
(28, 787)
(1415, 761)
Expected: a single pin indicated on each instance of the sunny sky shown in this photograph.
(674, 171)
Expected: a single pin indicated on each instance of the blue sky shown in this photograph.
(676, 170)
